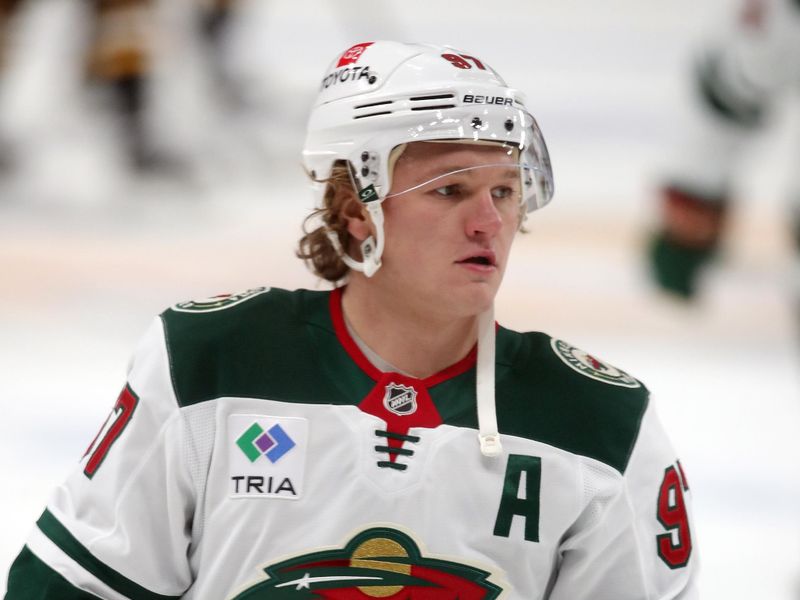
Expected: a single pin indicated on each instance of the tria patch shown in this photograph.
(220, 302)
(380, 562)
(586, 364)
(400, 399)
(266, 456)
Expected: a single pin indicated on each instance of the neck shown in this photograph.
(416, 342)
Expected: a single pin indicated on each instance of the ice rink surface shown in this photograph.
(88, 255)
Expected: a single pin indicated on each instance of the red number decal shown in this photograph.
(675, 546)
(462, 61)
(475, 61)
(457, 61)
(123, 411)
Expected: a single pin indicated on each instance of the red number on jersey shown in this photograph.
(462, 61)
(123, 410)
(675, 546)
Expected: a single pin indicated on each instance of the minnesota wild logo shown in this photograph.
(586, 364)
(377, 563)
(220, 302)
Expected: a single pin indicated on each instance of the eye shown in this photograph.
(503, 191)
(447, 190)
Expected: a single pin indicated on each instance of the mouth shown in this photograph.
(483, 260)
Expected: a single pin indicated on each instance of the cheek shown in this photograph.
(508, 231)
(405, 235)
(414, 242)
(511, 217)
(408, 217)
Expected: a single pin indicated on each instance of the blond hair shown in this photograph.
(315, 248)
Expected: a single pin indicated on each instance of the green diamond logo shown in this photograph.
(247, 440)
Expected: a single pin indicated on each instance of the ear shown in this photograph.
(359, 225)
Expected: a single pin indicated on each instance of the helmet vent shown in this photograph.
(372, 105)
(374, 114)
(435, 97)
(433, 107)
(431, 98)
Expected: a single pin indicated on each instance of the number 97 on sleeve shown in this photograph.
(674, 546)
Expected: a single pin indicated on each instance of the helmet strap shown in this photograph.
(488, 434)
(371, 248)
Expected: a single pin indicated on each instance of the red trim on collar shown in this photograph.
(462, 366)
(350, 346)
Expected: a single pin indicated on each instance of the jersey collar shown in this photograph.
(355, 353)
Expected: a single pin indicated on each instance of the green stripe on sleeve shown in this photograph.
(32, 579)
(62, 538)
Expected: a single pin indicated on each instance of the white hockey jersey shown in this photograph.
(255, 453)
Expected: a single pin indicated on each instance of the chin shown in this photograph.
(474, 300)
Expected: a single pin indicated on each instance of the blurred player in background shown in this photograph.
(120, 57)
(127, 36)
(9, 10)
(386, 439)
(739, 77)
(124, 75)
(165, 87)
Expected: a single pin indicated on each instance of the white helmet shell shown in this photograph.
(376, 96)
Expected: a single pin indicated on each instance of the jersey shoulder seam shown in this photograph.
(635, 438)
(172, 380)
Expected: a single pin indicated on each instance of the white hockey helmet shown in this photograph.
(377, 96)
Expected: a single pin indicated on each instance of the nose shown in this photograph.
(483, 217)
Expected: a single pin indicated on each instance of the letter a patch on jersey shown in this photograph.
(266, 456)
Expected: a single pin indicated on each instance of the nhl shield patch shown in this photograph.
(400, 399)
(266, 456)
(586, 364)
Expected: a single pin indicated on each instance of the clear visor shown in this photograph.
(522, 168)
(504, 179)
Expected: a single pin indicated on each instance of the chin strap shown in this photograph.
(487, 416)
(371, 251)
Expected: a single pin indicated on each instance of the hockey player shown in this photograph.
(740, 75)
(120, 58)
(386, 439)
